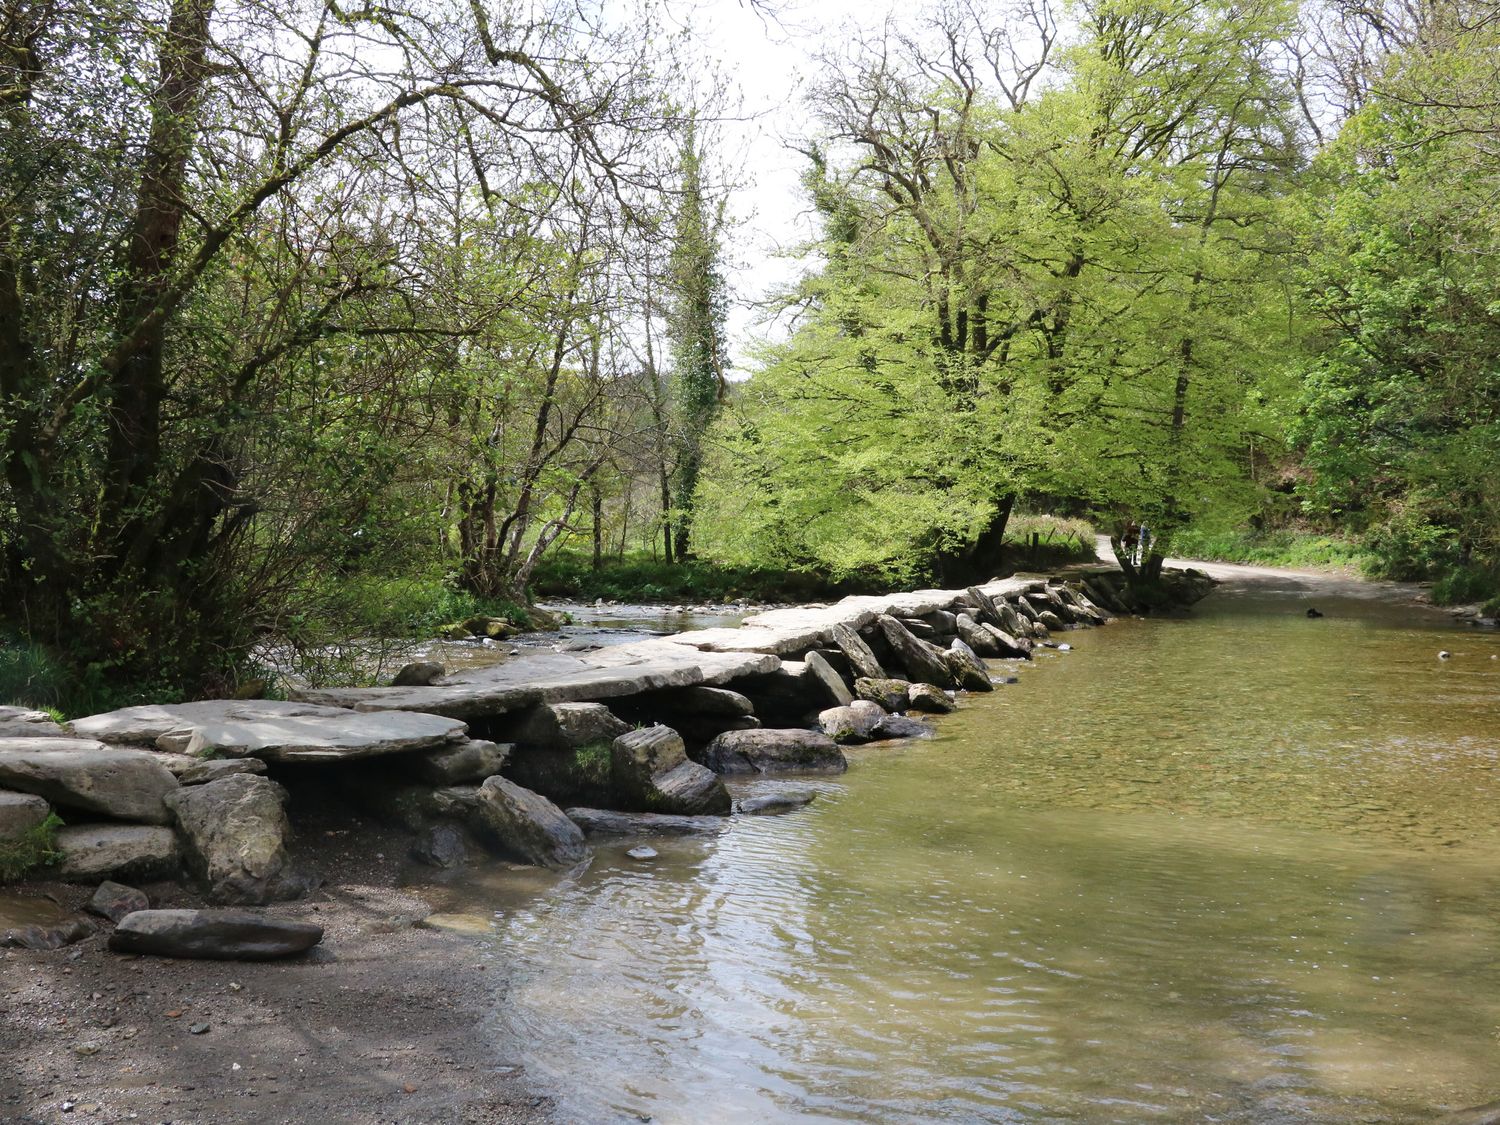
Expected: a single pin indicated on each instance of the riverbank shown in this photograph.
(379, 1022)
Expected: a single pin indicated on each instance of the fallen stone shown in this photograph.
(860, 656)
(275, 730)
(642, 852)
(1013, 622)
(888, 694)
(900, 726)
(987, 612)
(22, 722)
(976, 636)
(918, 628)
(236, 831)
(43, 936)
(924, 663)
(20, 813)
(202, 772)
(826, 676)
(83, 774)
(650, 769)
(1007, 645)
(774, 751)
(222, 935)
(523, 824)
(419, 673)
(854, 723)
(968, 669)
(459, 763)
(609, 822)
(943, 622)
(441, 845)
(95, 852)
(564, 726)
(115, 900)
(774, 804)
(926, 697)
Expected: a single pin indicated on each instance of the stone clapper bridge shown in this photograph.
(630, 739)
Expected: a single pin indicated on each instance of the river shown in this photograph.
(1238, 867)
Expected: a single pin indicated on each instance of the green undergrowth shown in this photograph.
(1036, 542)
(593, 762)
(572, 575)
(1286, 547)
(36, 847)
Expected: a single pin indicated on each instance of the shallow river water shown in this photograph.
(1243, 867)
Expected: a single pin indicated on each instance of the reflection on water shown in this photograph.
(1239, 868)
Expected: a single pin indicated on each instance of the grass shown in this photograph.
(572, 575)
(32, 849)
(1286, 547)
(1036, 541)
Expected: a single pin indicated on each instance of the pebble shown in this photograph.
(642, 852)
(199, 1029)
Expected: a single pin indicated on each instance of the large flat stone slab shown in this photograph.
(272, 730)
(538, 678)
(23, 722)
(92, 853)
(80, 773)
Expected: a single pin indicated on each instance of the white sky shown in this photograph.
(771, 61)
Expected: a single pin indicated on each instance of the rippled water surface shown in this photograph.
(1243, 867)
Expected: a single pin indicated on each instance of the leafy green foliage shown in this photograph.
(34, 848)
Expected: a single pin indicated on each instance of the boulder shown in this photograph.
(272, 729)
(1084, 610)
(20, 813)
(701, 729)
(608, 822)
(521, 823)
(968, 669)
(202, 772)
(83, 774)
(564, 726)
(650, 769)
(1007, 645)
(924, 663)
(900, 726)
(23, 722)
(459, 763)
(889, 694)
(774, 751)
(54, 933)
(926, 697)
(115, 900)
(92, 853)
(854, 723)
(223, 935)
(1051, 621)
(440, 845)
(918, 628)
(943, 622)
(986, 611)
(419, 673)
(860, 656)
(774, 804)
(976, 636)
(826, 677)
(1013, 622)
(236, 831)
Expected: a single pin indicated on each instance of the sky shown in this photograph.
(771, 59)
